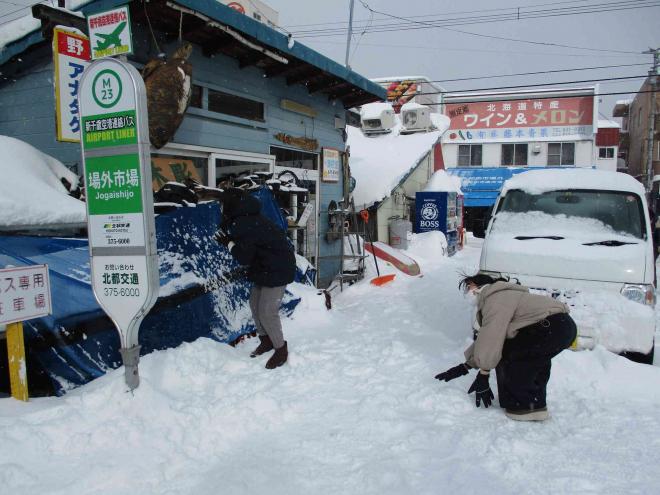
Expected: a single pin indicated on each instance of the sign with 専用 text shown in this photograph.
(110, 33)
(24, 293)
(71, 55)
(561, 119)
(120, 214)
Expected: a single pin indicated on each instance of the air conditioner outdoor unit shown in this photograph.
(377, 118)
(415, 118)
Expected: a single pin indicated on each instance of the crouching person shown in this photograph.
(519, 334)
(255, 241)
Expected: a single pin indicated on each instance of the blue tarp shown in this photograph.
(203, 293)
(481, 185)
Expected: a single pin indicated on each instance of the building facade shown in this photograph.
(259, 103)
(635, 132)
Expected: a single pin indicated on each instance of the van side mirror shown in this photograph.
(479, 228)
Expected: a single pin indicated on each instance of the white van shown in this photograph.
(582, 236)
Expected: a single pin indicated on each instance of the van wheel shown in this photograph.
(639, 357)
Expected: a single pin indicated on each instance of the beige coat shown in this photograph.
(502, 309)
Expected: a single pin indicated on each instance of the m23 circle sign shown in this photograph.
(107, 88)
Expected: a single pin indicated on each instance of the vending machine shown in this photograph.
(440, 211)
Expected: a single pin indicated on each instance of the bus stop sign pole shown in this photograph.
(120, 212)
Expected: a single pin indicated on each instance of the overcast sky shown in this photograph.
(441, 54)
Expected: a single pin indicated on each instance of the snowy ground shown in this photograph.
(356, 411)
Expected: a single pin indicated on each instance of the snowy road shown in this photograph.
(356, 411)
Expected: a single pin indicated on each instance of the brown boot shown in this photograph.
(265, 346)
(278, 358)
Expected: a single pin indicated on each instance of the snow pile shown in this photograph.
(356, 410)
(428, 248)
(31, 192)
(441, 181)
(540, 181)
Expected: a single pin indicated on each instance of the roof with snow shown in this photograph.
(540, 181)
(608, 124)
(380, 162)
(220, 29)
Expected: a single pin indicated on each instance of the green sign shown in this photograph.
(113, 184)
(109, 129)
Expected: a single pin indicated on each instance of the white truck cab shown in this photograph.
(582, 236)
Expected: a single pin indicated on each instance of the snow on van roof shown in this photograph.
(544, 180)
(31, 192)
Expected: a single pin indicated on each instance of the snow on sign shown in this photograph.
(120, 213)
(24, 293)
(71, 56)
(110, 33)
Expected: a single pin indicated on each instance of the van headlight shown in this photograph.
(643, 294)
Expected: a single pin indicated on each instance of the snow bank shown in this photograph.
(441, 181)
(31, 192)
(356, 410)
(540, 181)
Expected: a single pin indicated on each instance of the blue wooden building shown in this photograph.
(260, 101)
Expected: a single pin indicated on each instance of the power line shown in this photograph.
(540, 72)
(461, 99)
(448, 13)
(435, 25)
(477, 50)
(546, 84)
(410, 23)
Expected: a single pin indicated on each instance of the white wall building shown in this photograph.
(553, 127)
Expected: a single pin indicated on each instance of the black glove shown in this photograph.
(482, 389)
(452, 373)
(222, 238)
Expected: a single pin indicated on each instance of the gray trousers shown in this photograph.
(265, 304)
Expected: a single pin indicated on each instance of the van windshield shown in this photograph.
(619, 211)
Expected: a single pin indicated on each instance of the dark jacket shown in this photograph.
(258, 242)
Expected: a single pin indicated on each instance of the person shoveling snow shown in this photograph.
(518, 336)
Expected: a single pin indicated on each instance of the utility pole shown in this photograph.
(350, 32)
(653, 80)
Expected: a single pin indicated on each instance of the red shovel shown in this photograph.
(380, 279)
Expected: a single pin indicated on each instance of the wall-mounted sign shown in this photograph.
(299, 142)
(166, 169)
(515, 120)
(71, 55)
(294, 106)
(331, 165)
(110, 33)
(24, 293)
(120, 215)
(401, 92)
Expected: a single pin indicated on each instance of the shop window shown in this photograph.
(605, 152)
(227, 170)
(196, 98)
(236, 106)
(561, 153)
(285, 157)
(514, 154)
(469, 155)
